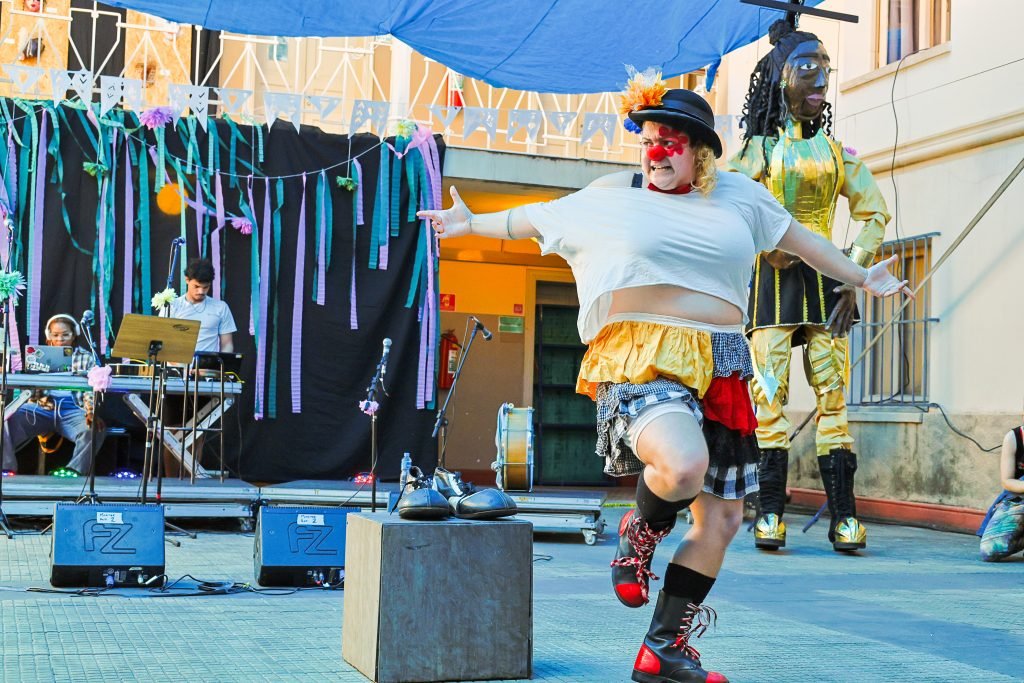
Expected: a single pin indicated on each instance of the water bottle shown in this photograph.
(404, 476)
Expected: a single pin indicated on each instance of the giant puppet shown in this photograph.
(788, 147)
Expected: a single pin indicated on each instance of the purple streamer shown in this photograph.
(36, 266)
(129, 231)
(200, 214)
(261, 353)
(252, 294)
(321, 263)
(353, 319)
(15, 339)
(218, 193)
(298, 295)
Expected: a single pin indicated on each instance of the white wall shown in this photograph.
(960, 113)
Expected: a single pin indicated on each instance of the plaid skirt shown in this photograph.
(732, 468)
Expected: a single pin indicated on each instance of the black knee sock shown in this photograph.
(683, 582)
(657, 512)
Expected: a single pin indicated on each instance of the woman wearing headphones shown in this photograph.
(68, 413)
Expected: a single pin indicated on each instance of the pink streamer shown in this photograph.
(99, 377)
(261, 352)
(200, 214)
(35, 268)
(321, 263)
(129, 232)
(15, 338)
(298, 297)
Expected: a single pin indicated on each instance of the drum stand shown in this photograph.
(441, 423)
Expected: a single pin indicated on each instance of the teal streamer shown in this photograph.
(272, 382)
(329, 213)
(396, 186)
(381, 209)
(318, 221)
(57, 176)
(413, 163)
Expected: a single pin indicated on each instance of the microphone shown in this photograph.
(8, 223)
(480, 326)
(384, 357)
(87, 319)
(177, 241)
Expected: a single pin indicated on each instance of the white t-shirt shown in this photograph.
(618, 237)
(214, 318)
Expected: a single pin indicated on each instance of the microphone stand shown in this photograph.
(371, 397)
(97, 400)
(441, 423)
(4, 320)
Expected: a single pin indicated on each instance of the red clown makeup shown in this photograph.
(671, 142)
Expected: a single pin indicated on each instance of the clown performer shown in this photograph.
(788, 148)
(662, 262)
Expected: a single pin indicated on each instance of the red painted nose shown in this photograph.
(656, 153)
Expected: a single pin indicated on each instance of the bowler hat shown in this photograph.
(686, 110)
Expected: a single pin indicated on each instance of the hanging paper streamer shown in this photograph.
(35, 267)
(129, 231)
(249, 211)
(606, 124)
(524, 119)
(274, 346)
(379, 227)
(357, 208)
(324, 217)
(261, 332)
(481, 117)
(297, 300)
(217, 234)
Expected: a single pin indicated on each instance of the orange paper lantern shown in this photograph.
(168, 199)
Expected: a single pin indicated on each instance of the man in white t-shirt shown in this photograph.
(216, 322)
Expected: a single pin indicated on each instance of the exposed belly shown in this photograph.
(677, 302)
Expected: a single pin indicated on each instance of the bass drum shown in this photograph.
(514, 441)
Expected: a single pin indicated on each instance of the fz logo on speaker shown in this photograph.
(309, 539)
(112, 534)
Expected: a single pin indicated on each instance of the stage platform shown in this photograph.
(548, 509)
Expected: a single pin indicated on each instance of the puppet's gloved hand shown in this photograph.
(841, 320)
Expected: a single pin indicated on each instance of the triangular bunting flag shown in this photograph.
(372, 111)
(194, 98)
(324, 105)
(481, 117)
(24, 77)
(524, 119)
(444, 114)
(598, 123)
(233, 99)
(560, 120)
(277, 103)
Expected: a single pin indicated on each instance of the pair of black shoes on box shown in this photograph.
(446, 494)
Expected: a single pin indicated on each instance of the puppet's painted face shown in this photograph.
(33, 5)
(667, 156)
(806, 75)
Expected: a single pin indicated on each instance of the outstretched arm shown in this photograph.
(826, 258)
(459, 220)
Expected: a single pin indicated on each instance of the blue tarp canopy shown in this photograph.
(558, 46)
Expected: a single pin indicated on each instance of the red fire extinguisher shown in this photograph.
(449, 359)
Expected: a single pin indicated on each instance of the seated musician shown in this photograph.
(1002, 531)
(68, 413)
(216, 322)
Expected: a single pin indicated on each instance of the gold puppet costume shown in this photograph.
(789, 307)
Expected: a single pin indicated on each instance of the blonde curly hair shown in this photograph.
(705, 169)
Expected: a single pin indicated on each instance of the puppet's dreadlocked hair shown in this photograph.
(764, 110)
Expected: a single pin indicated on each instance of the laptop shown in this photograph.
(213, 360)
(47, 358)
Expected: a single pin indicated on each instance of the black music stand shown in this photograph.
(162, 341)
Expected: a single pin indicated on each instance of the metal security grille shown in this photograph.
(895, 371)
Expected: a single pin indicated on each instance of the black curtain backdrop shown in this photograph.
(330, 439)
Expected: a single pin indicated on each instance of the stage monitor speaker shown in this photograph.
(300, 546)
(107, 545)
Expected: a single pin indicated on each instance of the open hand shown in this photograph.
(881, 283)
(841, 320)
(453, 222)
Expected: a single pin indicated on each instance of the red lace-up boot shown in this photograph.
(631, 568)
(666, 655)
